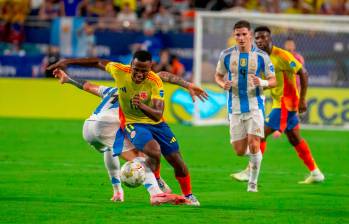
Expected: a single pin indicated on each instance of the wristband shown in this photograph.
(264, 83)
(78, 83)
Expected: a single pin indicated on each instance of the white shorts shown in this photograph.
(101, 134)
(246, 123)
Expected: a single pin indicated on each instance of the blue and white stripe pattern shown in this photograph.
(244, 96)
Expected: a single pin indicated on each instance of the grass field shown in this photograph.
(50, 175)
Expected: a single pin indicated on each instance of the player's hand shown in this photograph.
(227, 85)
(136, 100)
(255, 80)
(60, 64)
(302, 106)
(197, 91)
(61, 75)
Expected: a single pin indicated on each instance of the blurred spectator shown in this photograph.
(96, 9)
(149, 41)
(71, 7)
(164, 20)
(82, 9)
(35, 7)
(108, 20)
(127, 18)
(51, 57)
(15, 49)
(187, 18)
(51, 9)
(148, 8)
(169, 63)
(119, 4)
(291, 7)
(86, 41)
(290, 45)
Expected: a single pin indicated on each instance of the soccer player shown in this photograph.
(141, 100)
(244, 65)
(287, 103)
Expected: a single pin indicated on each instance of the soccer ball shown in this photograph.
(132, 174)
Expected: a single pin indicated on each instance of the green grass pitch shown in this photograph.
(48, 174)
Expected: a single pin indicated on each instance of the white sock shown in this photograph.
(255, 165)
(150, 182)
(113, 166)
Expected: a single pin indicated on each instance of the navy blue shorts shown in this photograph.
(276, 120)
(141, 134)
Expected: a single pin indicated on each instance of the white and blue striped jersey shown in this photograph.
(244, 96)
(108, 109)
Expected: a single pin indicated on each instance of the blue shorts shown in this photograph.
(141, 134)
(281, 122)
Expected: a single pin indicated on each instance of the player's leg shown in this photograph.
(304, 153)
(100, 136)
(255, 129)
(170, 150)
(142, 138)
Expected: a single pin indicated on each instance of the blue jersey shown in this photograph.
(108, 109)
(244, 96)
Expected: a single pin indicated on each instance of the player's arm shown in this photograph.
(221, 70)
(155, 112)
(87, 62)
(223, 83)
(81, 84)
(192, 88)
(269, 73)
(303, 78)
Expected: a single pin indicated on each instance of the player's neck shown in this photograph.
(245, 49)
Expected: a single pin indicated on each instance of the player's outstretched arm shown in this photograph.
(155, 112)
(81, 84)
(303, 78)
(192, 88)
(88, 62)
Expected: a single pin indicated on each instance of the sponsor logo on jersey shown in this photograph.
(161, 93)
(271, 67)
(292, 64)
(143, 95)
(123, 89)
(133, 134)
(173, 139)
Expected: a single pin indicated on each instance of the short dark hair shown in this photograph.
(242, 24)
(262, 29)
(142, 56)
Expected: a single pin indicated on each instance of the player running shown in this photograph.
(244, 65)
(287, 102)
(142, 84)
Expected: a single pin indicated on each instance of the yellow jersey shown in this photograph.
(285, 94)
(150, 88)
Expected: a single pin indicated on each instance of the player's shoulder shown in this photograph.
(282, 53)
(259, 52)
(154, 78)
(106, 90)
(228, 51)
(119, 67)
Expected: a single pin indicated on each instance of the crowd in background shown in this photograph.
(148, 16)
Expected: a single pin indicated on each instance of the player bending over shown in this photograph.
(171, 153)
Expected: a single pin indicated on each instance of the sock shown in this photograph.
(304, 153)
(255, 164)
(150, 183)
(263, 146)
(157, 173)
(113, 166)
(185, 184)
